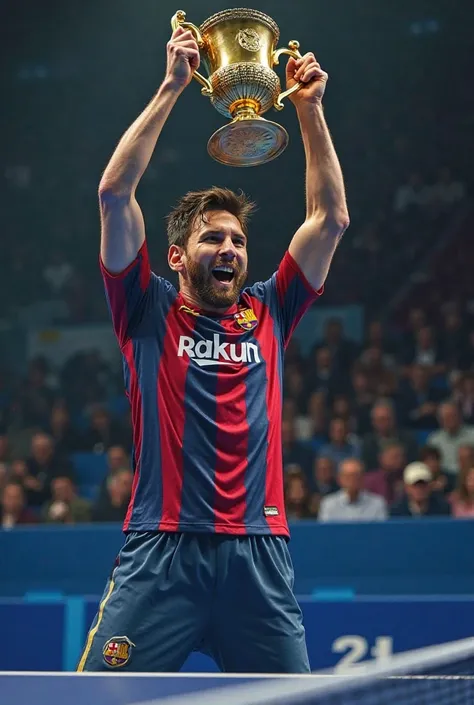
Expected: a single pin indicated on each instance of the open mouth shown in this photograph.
(224, 275)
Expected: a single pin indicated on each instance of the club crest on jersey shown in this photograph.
(117, 651)
(246, 319)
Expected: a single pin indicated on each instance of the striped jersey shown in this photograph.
(205, 393)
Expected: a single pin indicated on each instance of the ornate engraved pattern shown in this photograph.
(249, 39)
(248, 143)
(244, 80)
(241, 13)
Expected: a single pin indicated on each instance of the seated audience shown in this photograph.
(13, 509)
(352, 502)
(114, 504)
(65, 506)
(462, 500)
(419, 500)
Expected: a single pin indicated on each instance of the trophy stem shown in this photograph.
(244, 109)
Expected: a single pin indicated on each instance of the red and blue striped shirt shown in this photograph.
(205, 393)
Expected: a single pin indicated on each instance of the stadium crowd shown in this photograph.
(369, 431)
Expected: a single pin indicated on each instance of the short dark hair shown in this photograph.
(195, 203)
(430, 452)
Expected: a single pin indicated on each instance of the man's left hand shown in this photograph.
(308, 71)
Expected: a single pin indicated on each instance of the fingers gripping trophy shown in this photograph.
(238, 50)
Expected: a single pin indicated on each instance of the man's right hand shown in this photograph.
(182, 53)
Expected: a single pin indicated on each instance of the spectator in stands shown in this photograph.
(462, 500)
(383, 379)
(385, 432)
(343, 351)
(464, 397)
(443, 482)
(13, 509)
(66, 438)
(352, 502)
(317, 414)
(427, 353)
(465, 458)
(43, 465)
(418, 400)
(65, 506)
(323, 376)
(5, 451)
(419, 499)
(453, 338)
(341, 444)
(113, 506)
(103, 432)
(36, 396)
(466, 361)
(294, 387)
(387, 481)
(324, 481)
(117, 460)
(295, 452)
(451, 436)
(297, 496)
(363, 399)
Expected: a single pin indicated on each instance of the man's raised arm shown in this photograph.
(315, 242)
(123, 228)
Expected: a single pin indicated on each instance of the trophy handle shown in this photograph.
(178, 20)
(292, 50)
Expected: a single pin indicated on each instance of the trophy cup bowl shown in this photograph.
(238, 51)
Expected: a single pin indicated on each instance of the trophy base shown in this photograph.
(248, 142)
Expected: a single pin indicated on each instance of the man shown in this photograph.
(387, 481)
(13, 509)
(420, 500)
(341, 444)
(352, 502)
(385, 432)
(451, 436)
(113, 506)
(205, 565)
(65, 506)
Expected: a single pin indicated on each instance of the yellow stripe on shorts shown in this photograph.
(93, 631)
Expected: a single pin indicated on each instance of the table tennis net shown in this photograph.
(437, 675)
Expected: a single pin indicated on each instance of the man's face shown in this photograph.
(350, 476)
(392, 459)
(42, 448)
(382, 419)
(337, 431)
(419, 492)
(449, 418)
(62, 489)
(13, 499)
(215, 260)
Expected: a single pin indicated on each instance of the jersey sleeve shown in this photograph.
(133, 294)
(288, 295)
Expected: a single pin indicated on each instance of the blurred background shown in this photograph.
(379, 379)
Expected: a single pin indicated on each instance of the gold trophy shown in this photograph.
(238, 51)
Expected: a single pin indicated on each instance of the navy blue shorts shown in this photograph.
(174, 593)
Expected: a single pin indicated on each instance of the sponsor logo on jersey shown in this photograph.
(246, 319)
(117, 651)
(215, 352)
(271, 511)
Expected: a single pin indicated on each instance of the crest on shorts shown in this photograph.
(246, 319)
(117, 651)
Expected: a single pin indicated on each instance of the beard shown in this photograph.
(207, 287)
